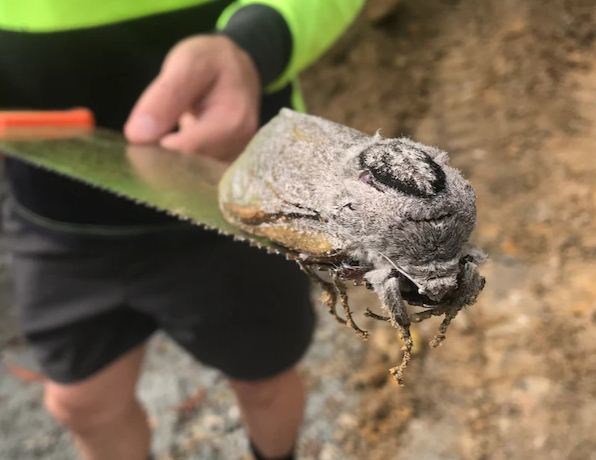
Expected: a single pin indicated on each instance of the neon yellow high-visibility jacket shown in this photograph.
(102, 54)
(314, 24)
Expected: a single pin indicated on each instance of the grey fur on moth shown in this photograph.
(392, 207)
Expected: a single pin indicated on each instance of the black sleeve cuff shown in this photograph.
(263, 33)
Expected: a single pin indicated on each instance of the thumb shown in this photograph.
(180, 84)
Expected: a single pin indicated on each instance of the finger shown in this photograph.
(221, 130)
(212, 135)
(180, 84)
(186, 120)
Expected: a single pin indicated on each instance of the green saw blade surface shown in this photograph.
(181, 185)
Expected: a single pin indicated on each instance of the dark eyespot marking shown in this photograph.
(405, 168)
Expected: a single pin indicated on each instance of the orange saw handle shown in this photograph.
(73, 118)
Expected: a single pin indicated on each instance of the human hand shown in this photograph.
(208, 87)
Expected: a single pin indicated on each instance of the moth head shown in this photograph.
(422, 211)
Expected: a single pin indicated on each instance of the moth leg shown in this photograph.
(371, 314)
(470, 284)
(440, 335)
(343, 298)
(398, 316)
(426, 314)
(329, 294)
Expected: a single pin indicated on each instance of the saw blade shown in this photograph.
(184, 186)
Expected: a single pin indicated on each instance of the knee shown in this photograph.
(84, 412)
(263, 393)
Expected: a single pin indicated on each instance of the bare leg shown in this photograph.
(272, 410)
(329, 295)
(343, 298)
(102, 412)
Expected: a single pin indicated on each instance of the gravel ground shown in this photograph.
(208, 426)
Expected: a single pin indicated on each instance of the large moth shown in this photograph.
(387, 213)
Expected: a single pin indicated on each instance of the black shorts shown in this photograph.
(87, 299)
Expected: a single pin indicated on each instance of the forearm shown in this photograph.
(285, 36)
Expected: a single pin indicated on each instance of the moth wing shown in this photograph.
(284, 184)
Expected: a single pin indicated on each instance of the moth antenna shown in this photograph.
(397, 268)
(390, 261)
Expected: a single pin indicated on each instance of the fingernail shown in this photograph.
(142, 128)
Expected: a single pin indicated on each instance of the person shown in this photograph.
(95, 275)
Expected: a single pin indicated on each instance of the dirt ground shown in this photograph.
(508, 87)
